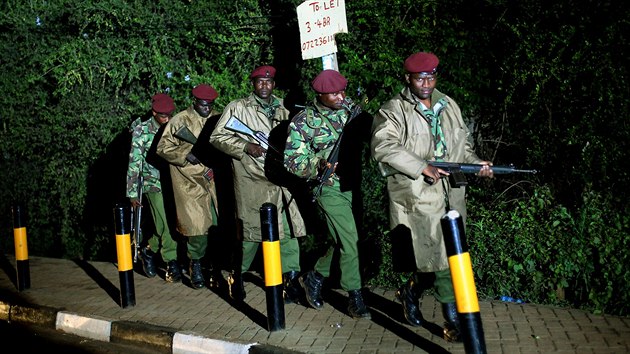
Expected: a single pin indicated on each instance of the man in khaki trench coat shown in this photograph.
(193, 183)
(417, 125)
(260, 111)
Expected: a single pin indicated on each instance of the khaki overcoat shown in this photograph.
(402, 139)
(193, 193)
(251, 187)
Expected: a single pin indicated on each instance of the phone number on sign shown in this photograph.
(316, 42)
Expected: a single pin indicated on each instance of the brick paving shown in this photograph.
(91, 289)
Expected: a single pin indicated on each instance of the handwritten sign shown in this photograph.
(319, 21)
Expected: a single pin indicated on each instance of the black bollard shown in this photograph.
(272, 267)
(463, 282)
(122, 223)
(21, 248)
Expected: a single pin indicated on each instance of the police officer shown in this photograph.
(261, 111)
(193, 183)
(417, 125)
(313, 133)
(162, 108)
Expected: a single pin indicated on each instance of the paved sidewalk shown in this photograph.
(84, 298)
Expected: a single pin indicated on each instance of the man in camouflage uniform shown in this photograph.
(193, 183)
(312, 134)
(422, 124)
(261, 111)
(162, 107)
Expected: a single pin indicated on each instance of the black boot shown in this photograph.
(452, 329)
(312, 283)
(356, 306)
(291, 287)
(408, 295)
(214, 280)
(173, 272)
(148, 262)
(196, 275)
(236, 287)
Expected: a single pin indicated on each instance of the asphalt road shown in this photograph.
(17, 338)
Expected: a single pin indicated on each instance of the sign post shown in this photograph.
(319, 21)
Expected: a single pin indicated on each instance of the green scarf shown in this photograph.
(269, 108)
(433, 115)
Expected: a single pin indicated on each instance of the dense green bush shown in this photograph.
(543, 87)
(541, 252)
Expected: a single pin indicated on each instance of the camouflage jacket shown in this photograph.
(312, 135)
(142, 134)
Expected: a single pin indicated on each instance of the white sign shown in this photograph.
(319, 21)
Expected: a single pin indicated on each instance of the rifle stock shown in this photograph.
(236, 125)
(186, 135)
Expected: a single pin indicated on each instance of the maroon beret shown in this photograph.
(329, 81)
(421, 62)
(263, 71)
(205, 92)
(162, 103)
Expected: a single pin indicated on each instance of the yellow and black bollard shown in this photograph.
(272, 266)
(122, 222)
(463, 282)
(21, 248)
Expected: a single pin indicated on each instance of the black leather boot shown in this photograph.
(291, 291)
(196, 275)
(236, 287)
(408, 295)
(312, 283)
(356, 306)
(148, 261)
(452, 328)
(173, 272)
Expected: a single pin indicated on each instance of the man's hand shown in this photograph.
(192, 159)
(486, 170)
(433, 174)
(323, 165)
(255, 150)
(135, 202)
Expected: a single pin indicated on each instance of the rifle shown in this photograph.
(186, 135)
(236, 125)
(324, 175)
(137, 218)
(457, 170)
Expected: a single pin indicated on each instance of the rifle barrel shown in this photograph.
(474, 168)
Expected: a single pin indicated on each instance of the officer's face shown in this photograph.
(422, 84)
(202, 107)
(161, 118)
(263, 87)
(332, 100)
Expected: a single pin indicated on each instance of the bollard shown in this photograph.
(122, 223)
(21, 248)
(272, 267)
(463, 282)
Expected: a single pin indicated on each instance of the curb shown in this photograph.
(162, 339)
